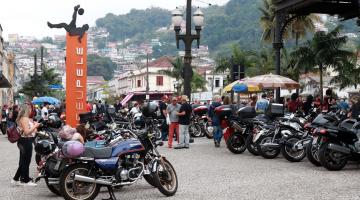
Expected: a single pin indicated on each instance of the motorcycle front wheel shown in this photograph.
(55, 189)
(270, 152)
(251, 146)
(312, 152)
(209, 131)
(165, 178)
(288, 151)
(77, 190)
(195, 130)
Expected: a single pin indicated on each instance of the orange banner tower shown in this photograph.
(76, 68)
(76, 73)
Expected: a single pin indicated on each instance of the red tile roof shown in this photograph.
(163, 62)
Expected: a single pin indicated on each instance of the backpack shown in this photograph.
(13, 133)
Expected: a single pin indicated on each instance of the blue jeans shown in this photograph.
(217, 133)
(164, 130)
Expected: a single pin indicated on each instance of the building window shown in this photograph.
(159, 80)
(138, 83)
(217, 83)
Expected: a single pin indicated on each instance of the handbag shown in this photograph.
(13, 134)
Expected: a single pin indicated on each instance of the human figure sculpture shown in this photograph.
(71, 28)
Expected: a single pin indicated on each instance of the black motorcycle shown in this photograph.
(340, 144)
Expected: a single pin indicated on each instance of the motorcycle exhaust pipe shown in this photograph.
(53, 181)
(270, 145)
(91, 180)
(339, 148)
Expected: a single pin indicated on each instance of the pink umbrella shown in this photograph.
(269, 81)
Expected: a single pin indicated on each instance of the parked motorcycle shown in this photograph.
(122, 163)
(340, 145)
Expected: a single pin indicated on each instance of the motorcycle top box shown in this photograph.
(275, 110)
(200, 110)
(246, 112)
(223, 111)
(86, 117)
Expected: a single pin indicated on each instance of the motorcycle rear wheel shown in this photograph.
(329, 160)
(289, 153)
(236, 143)
(67, 183)
(165, 178)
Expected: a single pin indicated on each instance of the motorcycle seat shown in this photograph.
(97, 153)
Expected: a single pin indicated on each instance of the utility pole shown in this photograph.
(42, 58)
(147, 77)
(35, 75)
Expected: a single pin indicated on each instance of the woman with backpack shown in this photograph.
(27, 129)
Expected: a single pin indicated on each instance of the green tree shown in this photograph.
(323, 51)
(100, 66)
(39, 85)
(349, 73)
(248, 59)
(197, 82)
(296, 29)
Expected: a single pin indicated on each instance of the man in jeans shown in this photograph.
(164, 125)
(172, 110)
(215, 121)
(184, 122)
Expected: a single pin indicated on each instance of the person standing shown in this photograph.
(184, 122)
(27, 129)
(45, 111)
(172, 110)
(215, 121)
(262, 104)
(164, 125)
(88, 106)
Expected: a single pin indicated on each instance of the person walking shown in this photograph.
(164, 126)
(215, 121)
(27, 128)
(172, 110)
(184, 122)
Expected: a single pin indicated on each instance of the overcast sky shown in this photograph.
(29, 17)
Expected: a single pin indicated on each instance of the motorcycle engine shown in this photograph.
(53, 167)
(130, 168)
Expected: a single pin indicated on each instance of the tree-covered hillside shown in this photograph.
(236, 22)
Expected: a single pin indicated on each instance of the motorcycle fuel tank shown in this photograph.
(127, 147)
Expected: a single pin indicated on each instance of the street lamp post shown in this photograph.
(187, 38)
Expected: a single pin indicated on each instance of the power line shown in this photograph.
(209, 4)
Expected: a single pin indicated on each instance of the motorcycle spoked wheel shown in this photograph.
(157, 133)
(165, 178)
(251, 146)
(236, 143)
(55, 189)
(195, 130)
(76, 190)
(312, 152)
(331, 159)
(268, 153)
(289, 153)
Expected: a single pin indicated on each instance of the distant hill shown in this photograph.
(235, 22)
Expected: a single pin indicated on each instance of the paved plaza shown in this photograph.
(205, 172)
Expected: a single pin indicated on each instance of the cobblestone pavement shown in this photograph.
(205, 172)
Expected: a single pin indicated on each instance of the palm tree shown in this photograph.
(239, 57)
(297, 29)
(349, 73)
(320, 53)
(197, 82)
